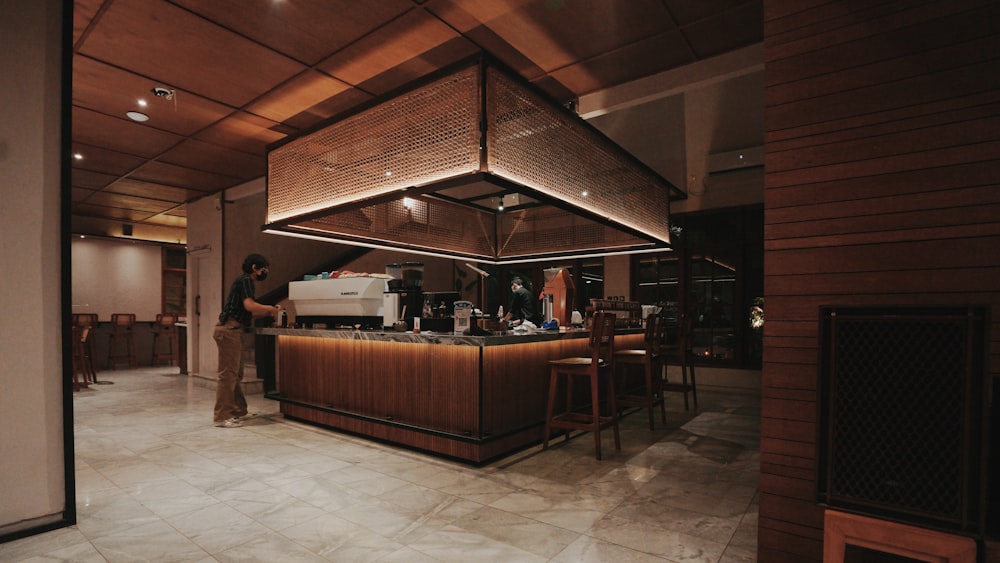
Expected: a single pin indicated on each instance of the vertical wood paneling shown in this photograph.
(881, 187)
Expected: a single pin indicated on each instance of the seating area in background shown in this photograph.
(84, 350)
(165, 338)
(121, 344)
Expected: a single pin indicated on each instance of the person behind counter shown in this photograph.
(238, 312)
(522, 304)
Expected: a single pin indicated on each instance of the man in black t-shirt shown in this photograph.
(522, 304)
(238, 313)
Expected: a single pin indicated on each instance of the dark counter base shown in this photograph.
(465, 401)
(459, 448)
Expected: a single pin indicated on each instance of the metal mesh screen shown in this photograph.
(414, 142)
(533, 143)
(900, 416)
(547, 229)
(416, 138)
(420, 223)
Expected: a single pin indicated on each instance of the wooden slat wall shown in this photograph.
(881, 187)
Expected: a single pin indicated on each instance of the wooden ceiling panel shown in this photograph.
(328, 109)
(122, 201)
(245, 132)
(218, 159)
(409, 36)
(557, 34)
(297, 95)
(248, 73)
(80, 194)
(83, 13)
(729, 30)
(686, 12)
(617, 66)
(80, 178)
(105, 161)
(484, 38)
(419, 67)
(305, 30)
(174, 218)
(190, 53)
(120, 134)
(180, 176)
(112, 91)
(107, 212)
(138, 188)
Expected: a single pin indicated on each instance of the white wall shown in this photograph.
(117, 276)
(32, 422)
(204, 282)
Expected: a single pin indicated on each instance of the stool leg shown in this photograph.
(694, 387)
(131, 350)
(596, 409)
(660, 392)
(613, 407)
(648, 369)
(553, 380)
(684, 380)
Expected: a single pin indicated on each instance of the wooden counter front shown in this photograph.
(467, 397)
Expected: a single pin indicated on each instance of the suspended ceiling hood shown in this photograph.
(471, 164)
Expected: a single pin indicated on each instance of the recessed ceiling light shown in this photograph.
(137, 116)
(77, 156)
(142, 103)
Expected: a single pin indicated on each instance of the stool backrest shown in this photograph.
(602, 337)
(122, 320)
(166, 320)
(85, 319)
(656, 326)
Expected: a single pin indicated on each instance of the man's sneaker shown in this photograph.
(231, 423)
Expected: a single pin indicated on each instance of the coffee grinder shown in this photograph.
(559, 295)
(404, 298)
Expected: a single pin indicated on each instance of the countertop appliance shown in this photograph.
(351, 301)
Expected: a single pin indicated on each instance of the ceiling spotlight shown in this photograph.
(77, 156)
(141, 102)
(161, 92)
(137, 116)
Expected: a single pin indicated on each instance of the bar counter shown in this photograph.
(473, 398)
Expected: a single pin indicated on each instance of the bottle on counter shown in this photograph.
(284, 319)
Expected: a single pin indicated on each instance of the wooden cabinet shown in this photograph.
(174, 289)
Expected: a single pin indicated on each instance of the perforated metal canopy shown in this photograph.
(473, 164)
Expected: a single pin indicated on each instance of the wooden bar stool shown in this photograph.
(163, 336)
(649, 359)
(79, 362)
(677, 351)
(121, 335)
(86, 325)
(601, 361)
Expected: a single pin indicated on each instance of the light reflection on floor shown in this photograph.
(157, 482)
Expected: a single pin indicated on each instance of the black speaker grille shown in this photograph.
(900, 419)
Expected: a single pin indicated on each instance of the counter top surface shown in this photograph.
(425, 337)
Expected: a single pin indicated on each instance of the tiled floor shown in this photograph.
(157, 482)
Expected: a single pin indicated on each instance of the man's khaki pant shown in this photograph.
(229, 399)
